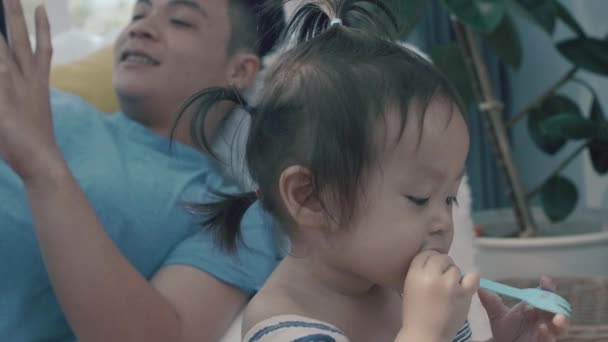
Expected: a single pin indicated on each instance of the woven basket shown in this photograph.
(589, 299)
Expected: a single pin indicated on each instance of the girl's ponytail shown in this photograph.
(320, 16)
(223, 217)
(203, 101)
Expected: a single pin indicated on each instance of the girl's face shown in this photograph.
(408, 197)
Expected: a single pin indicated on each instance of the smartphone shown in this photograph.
(2, 21)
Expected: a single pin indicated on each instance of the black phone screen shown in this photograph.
(2, 20)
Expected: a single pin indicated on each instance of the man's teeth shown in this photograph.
(139, 59)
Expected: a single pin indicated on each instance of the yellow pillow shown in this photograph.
(90, 78)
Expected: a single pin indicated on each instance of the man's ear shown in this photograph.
(296, 188)
(243, 69)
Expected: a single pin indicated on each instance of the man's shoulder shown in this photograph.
(62, 101)
(70, 112)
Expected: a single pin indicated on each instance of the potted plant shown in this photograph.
(552, 238)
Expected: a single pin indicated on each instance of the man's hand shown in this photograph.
(27, 141)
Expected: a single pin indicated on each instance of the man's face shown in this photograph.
(172, 48)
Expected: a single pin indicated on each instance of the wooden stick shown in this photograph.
(492, 109)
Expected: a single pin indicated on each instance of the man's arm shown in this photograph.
(103, 296)
(206, 306)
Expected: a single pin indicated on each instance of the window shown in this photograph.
(103, 17)
(98, 17)
(28, 9)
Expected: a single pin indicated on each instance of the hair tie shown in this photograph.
(249, 109)
(335, 21)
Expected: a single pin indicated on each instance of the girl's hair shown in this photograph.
(320, 105)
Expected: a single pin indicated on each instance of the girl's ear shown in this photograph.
(243, 69)
(296, 188)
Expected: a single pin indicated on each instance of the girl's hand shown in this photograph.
(27, 142)
(523, 323)
(436, 298)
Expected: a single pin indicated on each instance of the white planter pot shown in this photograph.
(578, 247)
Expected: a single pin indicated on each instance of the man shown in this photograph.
(95, 242)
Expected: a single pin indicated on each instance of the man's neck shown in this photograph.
(158, 119)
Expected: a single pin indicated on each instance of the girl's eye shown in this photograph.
(181, 23)
(137, 17)
(420, 201)
(452, 200)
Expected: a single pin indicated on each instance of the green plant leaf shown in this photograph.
(552, 106)
(504, 41)
(482, 15)
(598, 147)
(568, 125)
(596, 114)
(588, 53)
(598, 152)
(547, 144)
(568, 19)
(410, 12)
(543, 12)
(558, 198)
(449, 60)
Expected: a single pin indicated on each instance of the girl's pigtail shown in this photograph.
(204, 100)
(320, 16)
(223, 217)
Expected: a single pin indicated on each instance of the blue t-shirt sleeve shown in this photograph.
(257, 254)
(62, 102)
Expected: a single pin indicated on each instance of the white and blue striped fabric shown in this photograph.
(292, 328)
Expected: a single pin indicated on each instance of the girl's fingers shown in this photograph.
(543, 329)
(44, 48)
(547, 284)
(559, 324)
(439, 264)
(19, 38)
(422, 259)
(470, 282)
(555, 325)
(454, 275)
(493, 304)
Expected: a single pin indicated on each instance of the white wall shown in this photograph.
(59, 15)
(71, 42)
(542, 66)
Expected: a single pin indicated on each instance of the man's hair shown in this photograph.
(256, 25)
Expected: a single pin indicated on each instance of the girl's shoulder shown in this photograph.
(294, 328)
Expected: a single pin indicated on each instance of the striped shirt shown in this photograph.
(292, 328)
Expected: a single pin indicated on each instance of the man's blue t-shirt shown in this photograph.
(138, 184)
